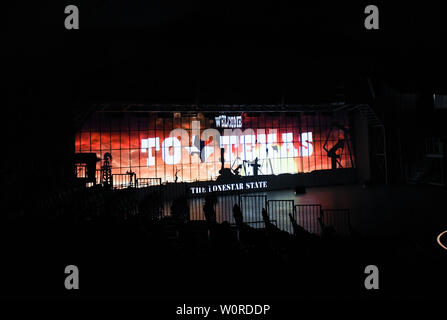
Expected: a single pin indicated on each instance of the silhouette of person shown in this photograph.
(255, 166)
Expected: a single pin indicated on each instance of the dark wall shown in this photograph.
(361, 146)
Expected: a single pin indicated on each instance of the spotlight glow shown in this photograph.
(439, 240)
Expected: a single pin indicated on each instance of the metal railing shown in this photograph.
(196, 209)
(156, 202)
(279, 211)
(251, 207)
(306, 215)
(148, 182)
(223, 208)
(339, 219)
(123, 181)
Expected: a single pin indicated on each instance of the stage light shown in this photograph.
(439, 239)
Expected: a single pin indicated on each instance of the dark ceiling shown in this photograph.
(192, 51)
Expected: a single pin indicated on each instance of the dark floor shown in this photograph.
(395, 229)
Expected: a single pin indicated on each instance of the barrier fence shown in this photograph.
(309, 216)
(339, 219)
(279, 211)
(123, 181)
(223, 208)
(251, 207)
(148, 182)
(306, 215)
(157, 202)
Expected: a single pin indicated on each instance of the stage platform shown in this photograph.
(261, 183)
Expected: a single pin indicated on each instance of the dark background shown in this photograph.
(190, 51)
(197, 52)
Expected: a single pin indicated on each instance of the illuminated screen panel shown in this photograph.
(189, 148)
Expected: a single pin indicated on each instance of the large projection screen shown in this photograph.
(166, 145)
